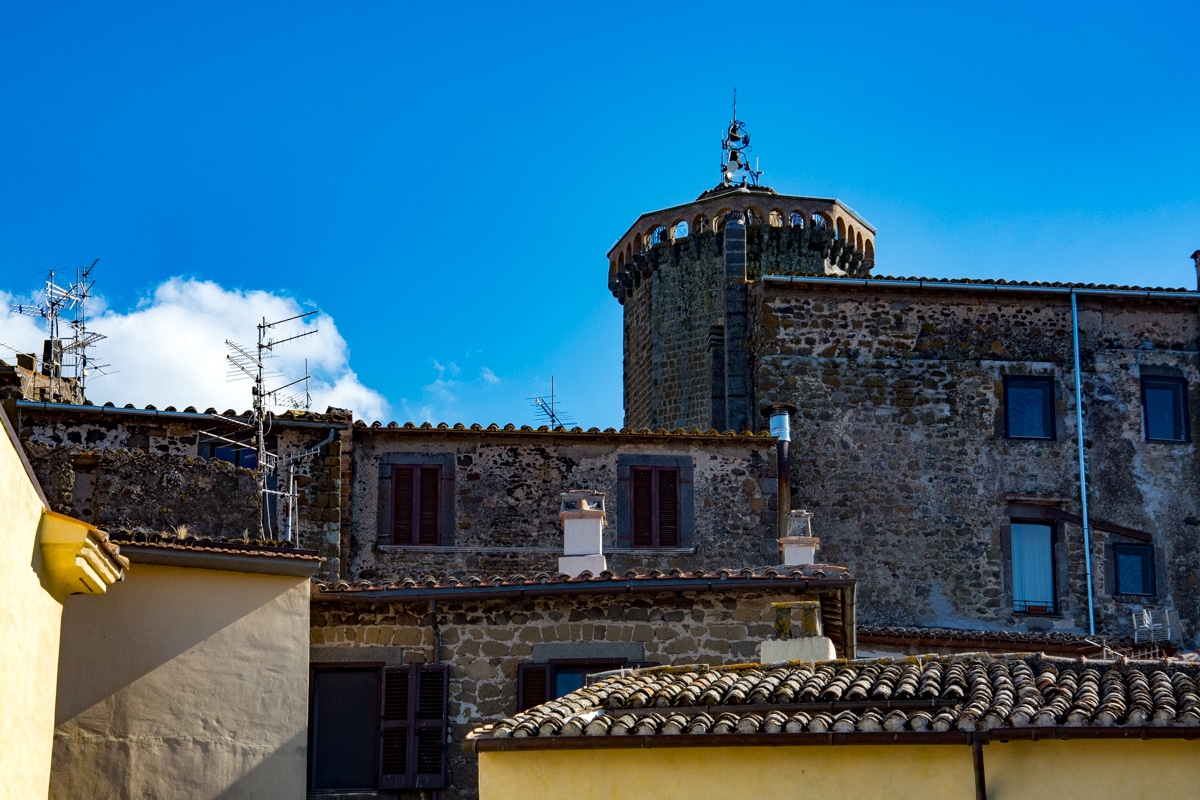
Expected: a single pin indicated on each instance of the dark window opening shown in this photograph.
(377, 728)
(1028, 407)
(538, 683)
(1134, 569)
(245, 457)
(655, 506)
(416, 518)
(1164, 404)
(1033, 567)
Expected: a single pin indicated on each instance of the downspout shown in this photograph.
(1083, 491)
(980, 780)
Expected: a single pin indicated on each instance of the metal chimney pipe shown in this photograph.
(781, 429)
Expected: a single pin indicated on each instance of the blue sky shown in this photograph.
(443, 183)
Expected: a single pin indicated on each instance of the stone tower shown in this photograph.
(683, 275)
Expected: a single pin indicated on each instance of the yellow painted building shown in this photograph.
(923, 728)
(48, 556)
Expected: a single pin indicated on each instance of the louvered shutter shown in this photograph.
(413, 728)
(668, 507)
(402, 505)
(533, 685)
(429, 488)
(394, 727)
(431, 696)
(642, 480)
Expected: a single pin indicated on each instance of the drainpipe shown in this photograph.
(781, 429)
(980, 781)
(1083, 492)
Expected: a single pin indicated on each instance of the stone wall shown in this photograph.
(484, 641)
(506, 494)
(899, 444)
(140, 470)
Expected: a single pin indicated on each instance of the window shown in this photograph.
(245, 457)
(655, 502)
(1028, 407)
(655, 510)
(537, 683)
(376, 727)
(1134, 568)
(416, 500)
(1164, 404)
(415, 495)
(1032, 567)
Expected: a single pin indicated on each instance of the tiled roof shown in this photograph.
(711, 433)
(333, 416)
(605, 581)
(982, 283)
(914, 700)
(245, 547)
(1058, 642)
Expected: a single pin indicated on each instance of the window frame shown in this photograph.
(685, 503)
(535, 680)
(207, 449)
(1146, 552)
(1178, 387)
(1047, 383)
(419, 723)
(1055, 606)
(389, 464)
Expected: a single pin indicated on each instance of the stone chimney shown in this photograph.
(799, 547)
(798, 636)
(582, 515)
(1196, 258)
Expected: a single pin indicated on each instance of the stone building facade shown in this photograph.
(936, 420)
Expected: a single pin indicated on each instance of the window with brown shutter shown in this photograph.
(416, 512)
(378, 728)
(654, 500)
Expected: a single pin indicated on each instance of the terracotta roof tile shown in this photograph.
(1032, 284)
(494, 427)
(249, 547)
(903, 701)
(606, 579)
(1057, 642)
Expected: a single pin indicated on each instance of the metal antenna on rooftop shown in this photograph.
(244, 364)
(550, 412)
(71, 354)
(735, 152)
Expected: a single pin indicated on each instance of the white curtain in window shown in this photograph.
(1033, 572)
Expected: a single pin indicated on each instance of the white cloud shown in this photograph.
(488, 376)
(170, 350)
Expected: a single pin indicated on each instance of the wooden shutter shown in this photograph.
(668, 507)
(533, 685)
(642, 484)
(402, 505)
(394, 728)
(429, 488)
(413, 728)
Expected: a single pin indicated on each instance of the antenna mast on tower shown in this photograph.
(550, 412)
(735, 152)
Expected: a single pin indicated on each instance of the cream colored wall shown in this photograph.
(29, 634)
(195, 685)
(1026, 770)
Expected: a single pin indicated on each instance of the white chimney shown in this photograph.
(799, 547)
(582, 515)
(799, 635)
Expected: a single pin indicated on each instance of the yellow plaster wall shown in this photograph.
(184, 683)
(1099, 770)
(29, 636)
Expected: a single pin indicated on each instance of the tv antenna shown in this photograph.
(550, 412)
(735, 153)
(60, 356)
(246, 363)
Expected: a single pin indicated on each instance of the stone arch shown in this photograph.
(796, 219)
(701, 224)
(858, 243)
(679, 229)
(620, 261)
(629, 251)
(658, 235)
(721, 218)
(820, 222)
(839, 230)
(870, 250)
(775, 218)
(850, 234)
(754, 216)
